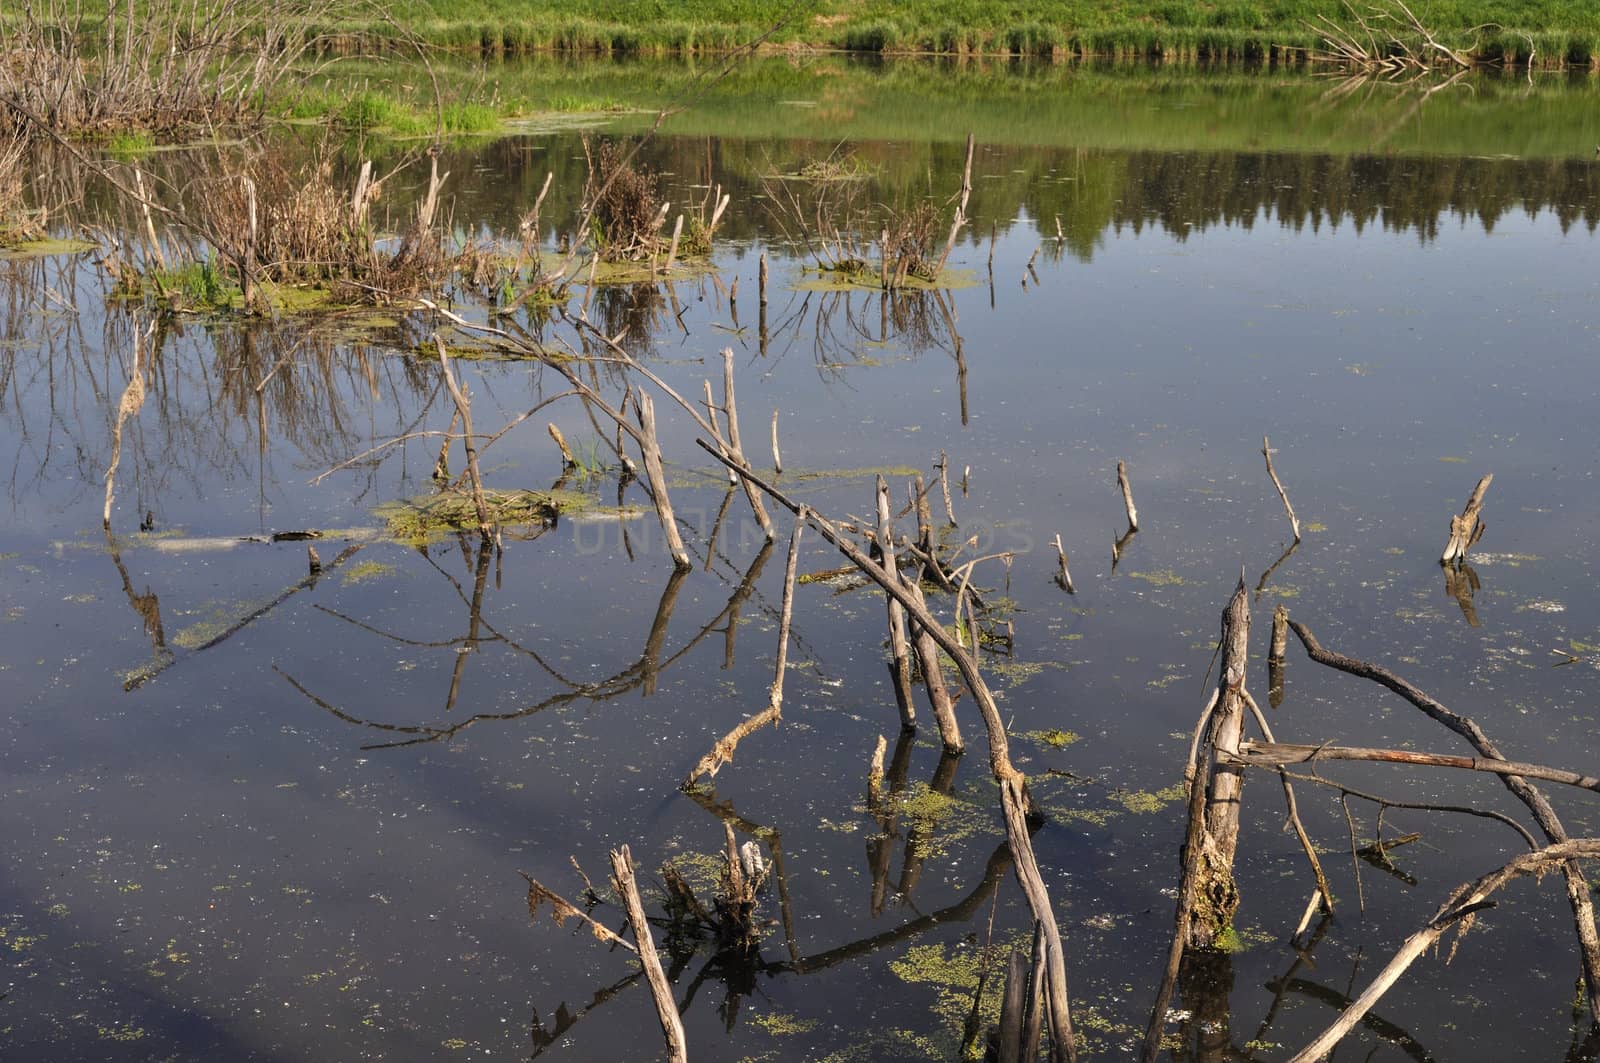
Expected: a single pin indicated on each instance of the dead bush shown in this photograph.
(625, 206)
(176, 66)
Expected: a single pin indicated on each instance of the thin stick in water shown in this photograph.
(1294, 522)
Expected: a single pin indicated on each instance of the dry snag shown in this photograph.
(1127, 497)
(1467, 529)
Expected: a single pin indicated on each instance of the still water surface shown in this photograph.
(303, 841)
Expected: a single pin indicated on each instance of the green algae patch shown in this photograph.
(886, 471)
(952, 972)
(1144, 802)
(219, 618)
(44, 249)
(365, 572)
(684, 267)
(935, 821)
(780, 1025)
(866, 279)
(1161, 578)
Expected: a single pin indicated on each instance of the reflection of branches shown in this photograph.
(161, 664)
(565, 1020)
(146, 605)
(1377, 1024)
(642, 674)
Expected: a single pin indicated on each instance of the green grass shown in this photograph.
(128, 146)
(1553, 31)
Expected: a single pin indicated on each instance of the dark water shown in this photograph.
(304, 840)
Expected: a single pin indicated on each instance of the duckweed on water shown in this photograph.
(780, 1025)
(940, 820)
(1162, 578)
(1143, 802)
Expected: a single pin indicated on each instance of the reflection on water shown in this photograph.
(281, 809)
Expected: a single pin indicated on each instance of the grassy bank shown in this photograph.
(1551, 32)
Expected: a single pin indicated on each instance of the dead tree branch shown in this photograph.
(1461, 907)
(1549, 823)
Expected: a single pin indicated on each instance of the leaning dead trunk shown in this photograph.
(1215, 895)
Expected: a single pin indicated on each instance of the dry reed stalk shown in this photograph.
(672, 253)
(1460, 907)
(959, 221)
(567, 460)
(944, 488)
(730, 410)
(650, 450)
(1578, 896)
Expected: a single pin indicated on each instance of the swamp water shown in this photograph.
(248, 825)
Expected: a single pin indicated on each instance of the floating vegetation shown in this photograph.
(1144, 802)
(432, 517)
(779, 1024)
(1055, 738)
(1161, 578)
(952, 972)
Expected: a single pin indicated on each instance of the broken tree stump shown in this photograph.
(1467, 529)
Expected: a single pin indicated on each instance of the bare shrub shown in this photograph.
(910, 247)
(310, 230)
(178, 65)
(625, 204)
